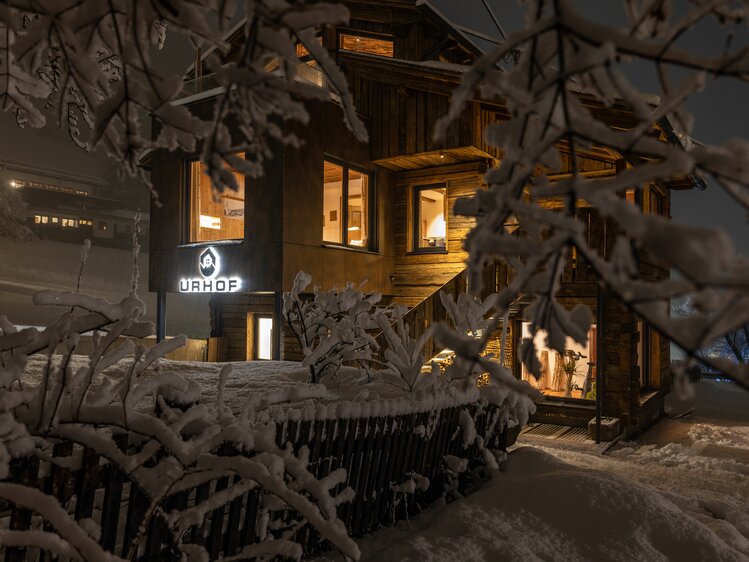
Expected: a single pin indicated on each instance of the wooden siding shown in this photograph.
(302, 187)
(403, 115)
(419, 275)
(414, 36)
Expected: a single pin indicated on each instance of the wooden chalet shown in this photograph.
(343, 210)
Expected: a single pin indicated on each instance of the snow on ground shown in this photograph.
(678, 492)
(542, 508)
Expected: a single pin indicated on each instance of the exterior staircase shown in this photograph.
(430, 310)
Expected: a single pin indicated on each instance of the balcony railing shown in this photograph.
(305, 72)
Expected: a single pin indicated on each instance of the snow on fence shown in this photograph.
(395, 464)
(115, 454)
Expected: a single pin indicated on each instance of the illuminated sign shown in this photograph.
(209, 265)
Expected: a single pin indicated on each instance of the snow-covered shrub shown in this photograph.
(569, 66)
(335, 327)
(332, 327)
(175, 442)
(470, 314)
(404, 355)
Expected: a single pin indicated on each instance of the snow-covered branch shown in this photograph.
(92, 65)
(560, 97)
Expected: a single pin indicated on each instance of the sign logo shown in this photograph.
(209, 266)
(208, 263)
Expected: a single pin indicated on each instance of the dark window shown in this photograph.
(348, 205)
(657, 203)
(102, 225)
(648, 356)
(430, 218)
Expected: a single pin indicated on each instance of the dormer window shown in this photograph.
(372, 44)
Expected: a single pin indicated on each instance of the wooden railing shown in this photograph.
(577, 269)
(378, 453)
(495, 277)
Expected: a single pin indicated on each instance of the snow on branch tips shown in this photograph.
(544, 197)
(95, 397)
(93, 67)
(338, 328)
(332, 327)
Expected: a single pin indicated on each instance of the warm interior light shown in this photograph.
(352, 228)
(13, 183)
(207, 221)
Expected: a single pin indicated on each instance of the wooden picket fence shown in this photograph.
(378, 453)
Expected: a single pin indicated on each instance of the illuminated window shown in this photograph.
(69, 223)
(571, 374)
(37, 219)
(45, 219)
(369, 44)
(631, 195)
(347, 205)
(85, 222)
(214, 218)
(47, 186)
(430, 218)
(55, 220)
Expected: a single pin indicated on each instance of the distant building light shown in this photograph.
(13, 183)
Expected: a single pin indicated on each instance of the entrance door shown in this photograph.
(263, 337)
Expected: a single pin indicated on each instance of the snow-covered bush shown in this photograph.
(469, 314)
(332, 327)
(335, 327)
(404, 354)
(175, 442)
(569, 65)
(94, 66)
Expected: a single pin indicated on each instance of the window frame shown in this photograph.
(371, 207)
(593, 352)
(188, 206)
(659, 197)
(415, 217)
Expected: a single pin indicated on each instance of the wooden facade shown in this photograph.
(400, 99)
